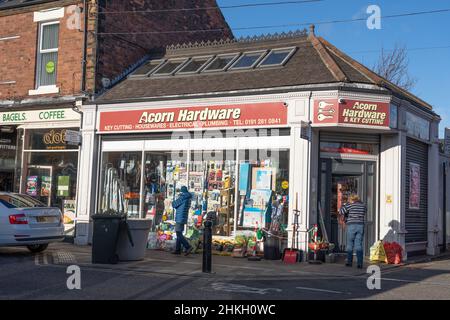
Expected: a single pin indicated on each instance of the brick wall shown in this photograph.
(116, 52)
(18, 56)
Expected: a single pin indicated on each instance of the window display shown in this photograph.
(51, 178)
(241, 195)
(121, 183)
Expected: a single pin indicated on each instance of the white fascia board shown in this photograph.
(47, 15)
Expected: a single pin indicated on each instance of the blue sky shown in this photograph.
(431, 67)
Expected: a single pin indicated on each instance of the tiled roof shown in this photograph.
(314, 62)
(8, 4)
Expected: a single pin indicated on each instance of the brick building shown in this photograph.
(54, 53)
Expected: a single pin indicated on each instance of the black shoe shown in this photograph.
(348, 264)
(176, 252)
(360, 266)
(189, 251)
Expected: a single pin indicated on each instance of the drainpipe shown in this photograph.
(83, 70)
(444, 207)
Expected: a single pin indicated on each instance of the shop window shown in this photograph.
(263, 189)
(212, 181)
(47, 56)
(8, 149)
(165, 173)
(349, 148)
(121, 183)
(48, 139)
(51, 178)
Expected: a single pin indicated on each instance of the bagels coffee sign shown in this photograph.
(351, 112)
(242, 115)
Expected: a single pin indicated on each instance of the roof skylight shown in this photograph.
(147, 68)
(277, 57)
(248, 60)
(194, 65)
(170, 67)
(221, 62)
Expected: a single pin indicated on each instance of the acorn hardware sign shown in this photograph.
(351, 112)
(240, 115)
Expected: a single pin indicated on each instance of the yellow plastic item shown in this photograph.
(377, 253)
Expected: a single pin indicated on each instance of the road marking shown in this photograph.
(230, 287)
(322, 290)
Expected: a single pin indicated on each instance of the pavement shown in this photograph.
(164, 276)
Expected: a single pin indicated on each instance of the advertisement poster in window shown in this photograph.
(32, 185)
(69, 211)
(63, 186)
(46, 186)
(264, 179)
(414, 186)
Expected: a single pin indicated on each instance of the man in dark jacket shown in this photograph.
(182, 205)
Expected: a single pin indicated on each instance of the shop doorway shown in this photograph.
(340, 179)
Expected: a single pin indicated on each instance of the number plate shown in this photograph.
(46, 219)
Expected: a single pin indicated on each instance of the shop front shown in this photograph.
(234, 159)
(41, 162)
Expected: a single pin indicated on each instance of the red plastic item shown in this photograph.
(290, 256)
(393, 252)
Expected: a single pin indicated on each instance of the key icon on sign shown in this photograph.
(322, 117)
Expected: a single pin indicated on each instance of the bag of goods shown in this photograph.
(377, 252)
(152, 241)
(393, 252)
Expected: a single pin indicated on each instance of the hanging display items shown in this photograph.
(32, 185)
(414, 185)
(63, 186)
(46, 186)
(264, 179)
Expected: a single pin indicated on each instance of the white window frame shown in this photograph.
(234, 56)
(262, 55)
(290, 50)
(47, 88)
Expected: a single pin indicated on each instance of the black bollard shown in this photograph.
(207, 246)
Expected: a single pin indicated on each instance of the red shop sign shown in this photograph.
(352, 112)
(242, 115)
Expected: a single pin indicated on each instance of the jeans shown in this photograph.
(355, 237)
(181, 240)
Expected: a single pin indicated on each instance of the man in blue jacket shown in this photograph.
(182, 205)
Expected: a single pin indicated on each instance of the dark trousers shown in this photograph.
(181, 240)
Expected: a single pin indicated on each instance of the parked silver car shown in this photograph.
(24, 221)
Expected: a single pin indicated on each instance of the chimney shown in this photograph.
(311, 30)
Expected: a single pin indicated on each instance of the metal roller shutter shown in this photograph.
(349, 137)
(416, 220)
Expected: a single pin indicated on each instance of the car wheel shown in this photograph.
(36, 248)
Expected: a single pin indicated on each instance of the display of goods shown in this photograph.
(393, 252)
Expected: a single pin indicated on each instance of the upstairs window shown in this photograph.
(221, 62)
(277, 57)
(47, 57)
(147, 68)
(170, 67)
(194, 65)
(248, 60)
